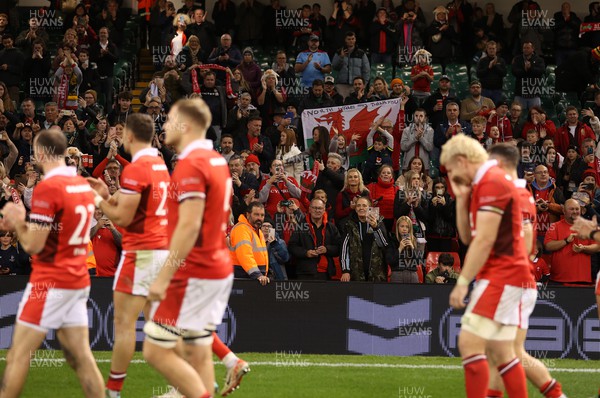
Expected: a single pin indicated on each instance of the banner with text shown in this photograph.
(346, 318)
(348, 120)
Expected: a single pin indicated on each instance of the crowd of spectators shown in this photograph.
(376, 219)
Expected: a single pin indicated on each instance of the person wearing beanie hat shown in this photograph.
(252, 166)
(252, 158)
(350, 61)
(250, 69)
(442, 35)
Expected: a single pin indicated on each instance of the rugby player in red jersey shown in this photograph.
(507, 157)
(140, 208)
(489, 221)
(192, 288)
(56, 235)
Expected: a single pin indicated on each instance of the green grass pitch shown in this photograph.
(312, 376)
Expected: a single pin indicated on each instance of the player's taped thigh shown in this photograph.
(199, 338)
(164, 336)
(486, 328)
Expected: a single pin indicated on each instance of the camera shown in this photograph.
(285, 203)
(447, 279)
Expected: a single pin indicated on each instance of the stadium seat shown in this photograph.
(432, 261)
(420, 273)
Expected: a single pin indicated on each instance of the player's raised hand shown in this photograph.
(457, 297)
(12, 214)
(584, 227)
(100, 187)
(460, 190)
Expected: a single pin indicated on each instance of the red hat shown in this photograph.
(590, 173)
(252, 159)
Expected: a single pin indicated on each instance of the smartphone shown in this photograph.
(288, 115)
(181, 19)
(590, 151)
(373, 211)
(589, 186)
(439, 192)
(271, 233)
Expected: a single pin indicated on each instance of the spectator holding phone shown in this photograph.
(383, 193)
(441, 225)
(278, 188)
(106, 240)
(548, 200)
(403, 255)
(571, 173)
(411, 201)
(278, 251)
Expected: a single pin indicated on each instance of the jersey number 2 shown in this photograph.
(81, 235)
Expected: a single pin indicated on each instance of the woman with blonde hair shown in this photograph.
(363, 256)
(354, 187)
(191, 53)
(403, 256)
(288, 152)
(379, 90)
(411, 201)
(179, 39)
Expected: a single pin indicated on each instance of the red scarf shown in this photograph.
(196, 85)
(382, 42)
(322, 265)
(66, 95)
(588, 27)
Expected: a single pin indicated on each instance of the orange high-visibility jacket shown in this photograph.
(248, 248)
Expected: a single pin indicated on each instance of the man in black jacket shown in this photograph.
(254, 141)
(315, 244)
(435, 104)
(122, 110)
(317, 98)
(105, 54)
(331, 177)
(528, 68)
(11, 66)
(243, 182)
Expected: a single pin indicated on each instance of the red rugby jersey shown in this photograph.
(63, 201)
(494, 191)
(147, 175)
(203, 173)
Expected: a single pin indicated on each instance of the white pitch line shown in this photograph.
(304, 364)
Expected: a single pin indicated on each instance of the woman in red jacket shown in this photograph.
(383, 193)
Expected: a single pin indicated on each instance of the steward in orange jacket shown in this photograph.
(248, 248)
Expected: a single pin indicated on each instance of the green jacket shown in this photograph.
(430, 277)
